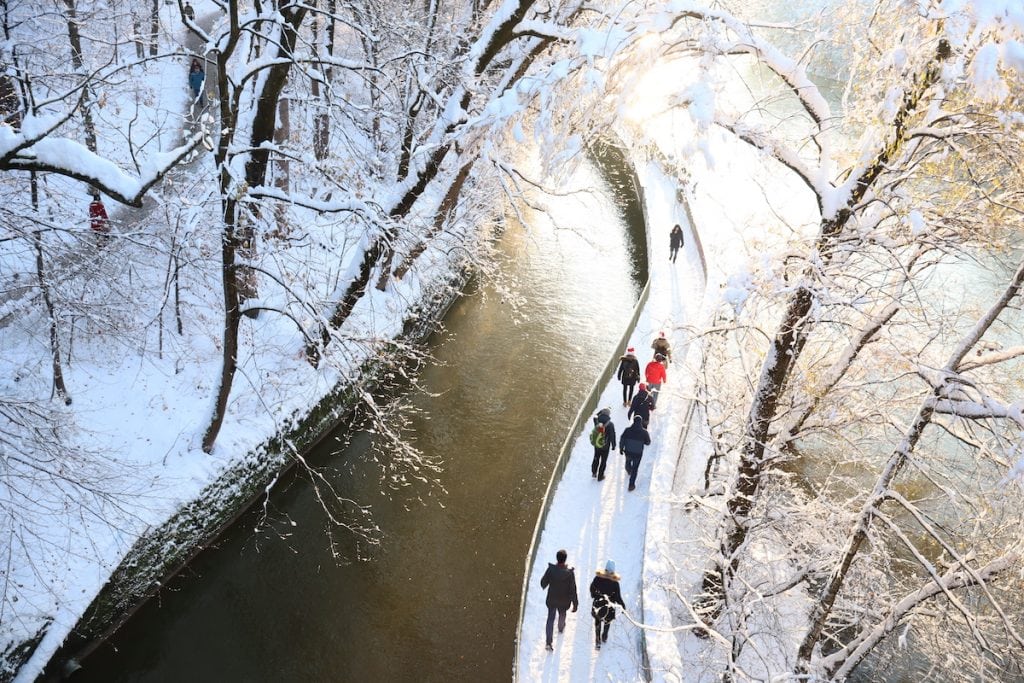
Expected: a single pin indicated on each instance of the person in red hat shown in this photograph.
(629, 374)
(641, 406)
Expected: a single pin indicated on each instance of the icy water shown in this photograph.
(438, 598)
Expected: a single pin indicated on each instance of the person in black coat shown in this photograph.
(629, 374)
(632, 443)
(560, 580)
(604, 590)
(602, 421)
(675, 241)
(642, 405)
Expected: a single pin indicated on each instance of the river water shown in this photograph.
(438, 597)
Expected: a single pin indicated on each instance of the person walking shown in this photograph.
(190, 14)
(602, 438)
(632, 443)
(656, 375)
(641, 406)
(662, 345)
(675, 241)
(98, 221)
(196, 78)
(629, 374)
(560, 580)
(604, 590)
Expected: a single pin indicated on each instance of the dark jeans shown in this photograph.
(598, 634)
(673, 251)
(654, 390)
(632, 466)
(599, 462)
(627, 397)
(549, 628)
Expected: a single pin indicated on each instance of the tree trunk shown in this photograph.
(78, 61)
(154, 29)
(232, 318)
(238, 281)
(281, 166)
(58, 375)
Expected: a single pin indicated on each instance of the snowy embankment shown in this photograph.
(135, 496)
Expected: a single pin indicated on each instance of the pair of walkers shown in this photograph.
(655, 372)
(560, 580)
(631, 444)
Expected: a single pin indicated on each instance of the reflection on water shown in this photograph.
(438, 598)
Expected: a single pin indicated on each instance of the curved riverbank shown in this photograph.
(161, 554)
(487, 464)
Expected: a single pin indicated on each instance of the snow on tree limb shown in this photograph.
(841, 663)
(65, 157)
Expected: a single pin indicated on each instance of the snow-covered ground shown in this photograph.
(142, 393)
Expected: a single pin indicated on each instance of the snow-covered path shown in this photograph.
(596, 521)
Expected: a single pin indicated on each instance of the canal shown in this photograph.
(436, 598)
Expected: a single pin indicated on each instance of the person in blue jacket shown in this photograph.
(631, 444)
(196, 78)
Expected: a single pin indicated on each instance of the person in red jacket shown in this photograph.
(98, 220)
(656, 375)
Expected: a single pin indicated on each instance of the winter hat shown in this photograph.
(643, 387)
(630, 350)
(609, 567)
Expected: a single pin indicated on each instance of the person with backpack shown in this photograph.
(675, 241)
(629, 374)
(662, 345)
(560, 580)
(604, 590)
(632, 443)
(640, 407)
(656, 375)
(602, 438)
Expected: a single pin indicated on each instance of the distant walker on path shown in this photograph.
(560, 580)
(604, 590)
(196, 78)
(675, 241)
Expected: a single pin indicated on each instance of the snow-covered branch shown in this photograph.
(74, 160)
(841, 663)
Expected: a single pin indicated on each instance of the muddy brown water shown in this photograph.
(438, 598)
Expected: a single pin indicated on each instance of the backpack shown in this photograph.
(597, 438)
